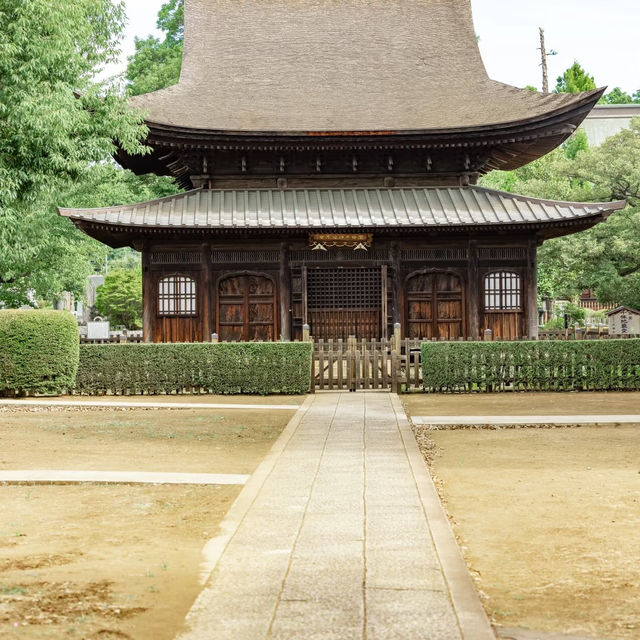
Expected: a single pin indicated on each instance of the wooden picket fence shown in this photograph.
(353, 365)
(393, 363)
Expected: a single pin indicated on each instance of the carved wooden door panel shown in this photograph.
(246, 309)
(435, 306)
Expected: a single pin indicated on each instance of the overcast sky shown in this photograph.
(601, 34)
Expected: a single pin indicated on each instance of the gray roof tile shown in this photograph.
(340, 208)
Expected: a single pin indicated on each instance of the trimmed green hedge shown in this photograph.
(38, 352)
(561, 365)
(227, 368)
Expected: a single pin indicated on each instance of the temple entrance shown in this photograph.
(343, 302)
(246, 309)
(435, 306)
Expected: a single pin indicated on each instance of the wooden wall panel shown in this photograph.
(505, 325)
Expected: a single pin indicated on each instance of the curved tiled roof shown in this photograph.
(283, 66)
(341, 209)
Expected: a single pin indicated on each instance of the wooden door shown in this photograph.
(246, 309)
(435, 306)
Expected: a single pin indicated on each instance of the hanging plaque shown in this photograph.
(355, 241)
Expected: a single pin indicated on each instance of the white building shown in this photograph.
(608, 119)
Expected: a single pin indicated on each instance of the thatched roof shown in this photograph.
(285, 66)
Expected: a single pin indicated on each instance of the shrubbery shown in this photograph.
(532, 366)
(38, 352)
(225, 368)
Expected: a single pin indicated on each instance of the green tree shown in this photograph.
(120, 298)
(618, 96)
(575, 80)
(56, 125)
(607, 257)
(156, 62)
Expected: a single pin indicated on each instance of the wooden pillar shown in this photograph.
(147, 295)
(305, 297)
(285, 293)
(473, 292)
(205, 294)
(396, 312)
(385, 298)
(531, 291)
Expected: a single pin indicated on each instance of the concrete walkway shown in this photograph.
(45, 476)
(339, 535)
(520, 420)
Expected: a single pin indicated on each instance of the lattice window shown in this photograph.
(240, 256)
(176, 257)
(341, 255)
(436, 255)
(502, 291)
(177, 296)
(502, 253)
(344, 288)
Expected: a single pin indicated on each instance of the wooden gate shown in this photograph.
(366, 364)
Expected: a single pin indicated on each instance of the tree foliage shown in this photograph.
(156, 62)
(575, 80)
(618, 96)
(56, 125)
(607, 257)
(120, 298)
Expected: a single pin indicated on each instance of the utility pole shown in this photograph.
(545, 71)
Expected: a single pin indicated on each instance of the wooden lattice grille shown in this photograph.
(240, 256)
(502, 291)
(344, 288)
(176, 257)
(436, 255)
(345, 302)
(177, 296)
(502, 253)
(339, 255)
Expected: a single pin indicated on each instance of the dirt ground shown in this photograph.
(484, 404)
(549, 522)
(182, 441)
(115, 562)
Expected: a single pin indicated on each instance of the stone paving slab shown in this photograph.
(533, 419)
(339, 534)
(44, 476)
(142, 404)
